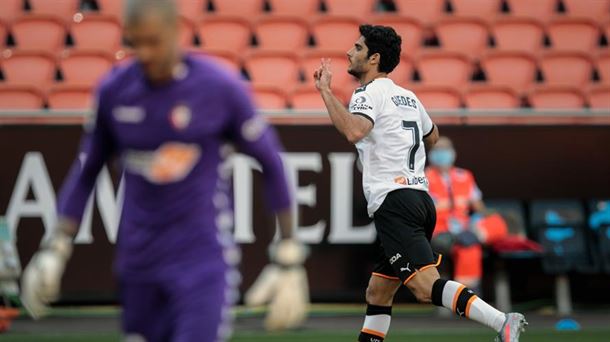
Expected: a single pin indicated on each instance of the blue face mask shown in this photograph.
(442, 157)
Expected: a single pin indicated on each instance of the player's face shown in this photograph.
(153, 40)
(358, 60)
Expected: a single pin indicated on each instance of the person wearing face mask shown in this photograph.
(458, 233)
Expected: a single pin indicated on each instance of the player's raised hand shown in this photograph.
(323, 75)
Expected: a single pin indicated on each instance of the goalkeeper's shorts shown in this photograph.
(405, 223)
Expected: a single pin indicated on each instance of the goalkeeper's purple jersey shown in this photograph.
(171, 141)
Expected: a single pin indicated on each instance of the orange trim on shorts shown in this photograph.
(456, 296)
(373, 332)
(384, 276)
(438, 262)
(468, 305)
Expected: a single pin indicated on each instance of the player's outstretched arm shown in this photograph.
(353, 127)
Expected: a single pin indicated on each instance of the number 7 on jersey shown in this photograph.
(412, 127)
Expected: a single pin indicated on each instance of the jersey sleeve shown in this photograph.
(254, 137)
(426, 123)
(96, 148)
(363, 102)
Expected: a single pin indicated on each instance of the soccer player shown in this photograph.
(167, 117)
(389, 126)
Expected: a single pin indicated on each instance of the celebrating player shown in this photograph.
(168, 117)
(390, 127)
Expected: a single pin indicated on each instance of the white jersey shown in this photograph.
(392, 154)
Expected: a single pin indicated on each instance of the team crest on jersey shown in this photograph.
(180, 117)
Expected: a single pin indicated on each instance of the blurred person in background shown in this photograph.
(391, 128)
(168, 117)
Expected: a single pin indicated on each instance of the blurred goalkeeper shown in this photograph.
(167, 117)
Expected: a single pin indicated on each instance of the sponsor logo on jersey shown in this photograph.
(411, 181)
(395, 258)
(128, 114)
(170, 163)
(180, 117)
(360, 104)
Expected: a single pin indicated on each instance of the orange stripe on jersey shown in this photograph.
(438, 262)
(468, 305)
(456, 295)
(385, 276)
(373, 332)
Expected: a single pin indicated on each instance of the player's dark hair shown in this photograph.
(134, 10)
(384, 41)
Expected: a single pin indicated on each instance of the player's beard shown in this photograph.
(355, 71)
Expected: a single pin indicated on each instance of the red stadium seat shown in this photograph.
(484, 9)
(85, 68)
(339, 64)
(269, 97)
(111, 7)
(192, 9)
(557, 97)
(465, 35)
(603, 67)
(282, 33)
(20, 98)
(97, 32)
(410, 30)
(438, 97)
(62, 97)
(224, 57)
(444, 68)
(229, 33)
(516, 70)
(403, 72)
(491, 97)
(10, 10)
(39, 32)
(247, 9)
(518, 34)
(3, 32)
(64, 9)
(427, 11)
(308, 98)
(186, 32)
(598, 97)
(573, 34)
(278, 69)
(336, 32)
(360, 9)
(566, 68)
(304, 8)
(598, 10)
(542, 10)
(35, 69)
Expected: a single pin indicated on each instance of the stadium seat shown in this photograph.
(39, 32)
(491, 97)
(403, 72)
(566, 68)
(339, 64)
(308, 98)
(360, 9)
(410, 30)
(35, 69)
(192, 9)
(62, 97)
(10, 10)
(247, 9)
(573, 34)
(20, 98)
(465, 35)
(599, 223)
(282, 33)
(516, 70)
(598, 10)
(518, 34)
(279, 69)
(229, 33)
(556, 97)
(97, 32)
(512, 212)
(186, 31)
(598, 97)
(438, 97)
(64, 9)
(270, 97)
(111, 7)
(84, 68)
(337, 33)
(3, 33)
(444, 68)
(427, 11)
(304, 8)
(484, 9)
(602, 63)
(227, 58)
(542, 10)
